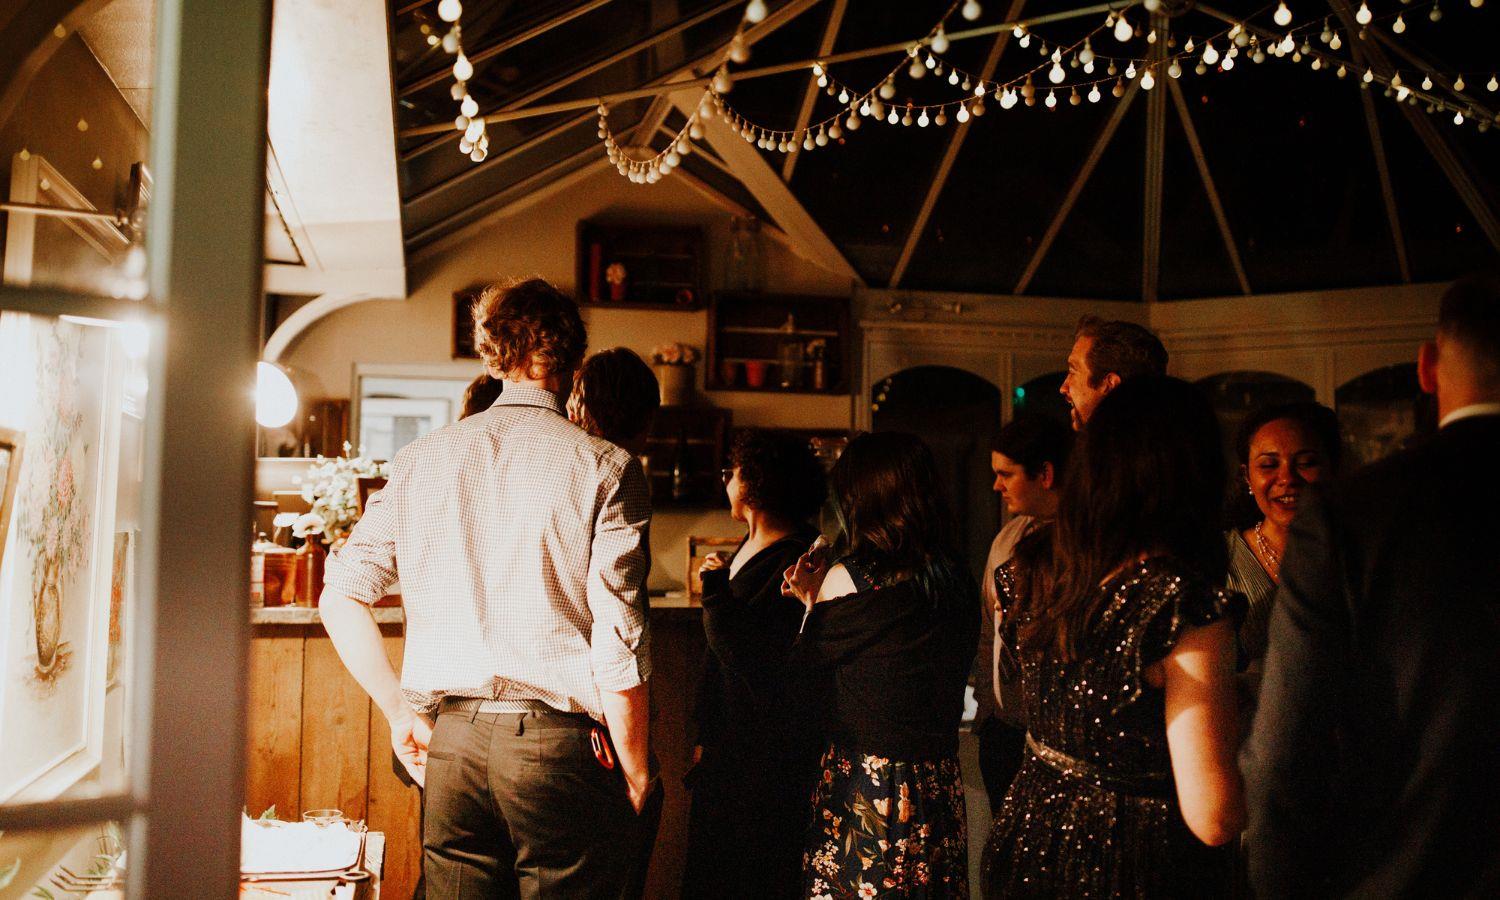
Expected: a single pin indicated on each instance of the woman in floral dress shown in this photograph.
(890, 632)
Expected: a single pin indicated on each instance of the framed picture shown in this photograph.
(698, 548)
(386, 424)
(55, 584)
(81, 254)
(11, 443)
(463, 324)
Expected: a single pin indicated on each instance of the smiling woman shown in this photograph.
(1281, 449)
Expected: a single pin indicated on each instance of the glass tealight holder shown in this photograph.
(321, 817)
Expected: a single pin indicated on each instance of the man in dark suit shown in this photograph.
(1373, 768)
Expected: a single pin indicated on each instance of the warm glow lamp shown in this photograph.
(275, 398)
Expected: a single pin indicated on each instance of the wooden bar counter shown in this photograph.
(315, 740)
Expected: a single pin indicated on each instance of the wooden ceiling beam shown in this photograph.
(810, 96)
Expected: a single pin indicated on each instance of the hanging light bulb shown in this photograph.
(1283, 15)
(450, 10)
(755, 11)
(916, 70)
(275, 397)
(1341, 71)
(1094, 94)
(1188, 47)
(1119, 89)
(843, 97)
(1258, 57)
(931, 63)
(1088, 67)
(1051, 101)
(887, 89)
(722, 84)
(922, 120)
(977, 108)
(1368, 77)
(1436, 13)
(852, 123)
(1458, 118)
(450, 40)
(892, 118)
(1227, 64)
(1399, 26)
(1458, 83)
(1427, 83)
(465, 145)
(1363, 16)
(971, 10)
(1008, 100)
(940, 40)
(1174, 70)
(1130, 71)
(1287, 45)
(739, 51)
(1493, 84)
(1148, 81)
(834, 132)
(1056, 74)
(461, 122)
(1123, 31)
(1024, 41)
(1402, 93)
(1210, 55)
(953, 77)
(468, 106)
(463, 70)
(1337, 41)
(1086, 55)
(963, 114)
(941, 118)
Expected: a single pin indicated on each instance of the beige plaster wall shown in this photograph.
(540, 241)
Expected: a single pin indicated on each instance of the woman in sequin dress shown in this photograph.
(1126, 652)
(892, 629)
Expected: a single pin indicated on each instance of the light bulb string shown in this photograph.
(989, 85)
(980, 87)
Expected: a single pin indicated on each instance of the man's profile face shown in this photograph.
(1079, 387)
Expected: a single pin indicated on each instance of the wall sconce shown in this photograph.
(275, 397)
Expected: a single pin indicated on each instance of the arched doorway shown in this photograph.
(1381, 411)
(1042, 396)
(957, 413)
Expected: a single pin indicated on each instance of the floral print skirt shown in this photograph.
(886, 828)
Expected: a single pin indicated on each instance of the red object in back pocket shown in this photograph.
(600, 742)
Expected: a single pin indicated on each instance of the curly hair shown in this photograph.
(615, 394)
(528, 328)
(1316, 421)
(779, 473)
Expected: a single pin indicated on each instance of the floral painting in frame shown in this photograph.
(55, 577)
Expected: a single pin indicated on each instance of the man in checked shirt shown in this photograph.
(522, 702)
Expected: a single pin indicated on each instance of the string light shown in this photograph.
(1123, 31)
(1363, 16)
(450, 10)
(971, 10)
(1283, 16)
(755, 11)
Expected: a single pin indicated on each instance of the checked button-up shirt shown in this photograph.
(520, 543)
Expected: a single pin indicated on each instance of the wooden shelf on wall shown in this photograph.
(701, 435)
(799, 344)
(664, 265)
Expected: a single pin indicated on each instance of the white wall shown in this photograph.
(540, 240)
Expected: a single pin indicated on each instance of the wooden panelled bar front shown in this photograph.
(316, 741)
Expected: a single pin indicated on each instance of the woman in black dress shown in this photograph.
(757, 751)
(893, 627)
(1126, 649)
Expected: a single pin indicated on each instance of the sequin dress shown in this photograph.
(1093, 811)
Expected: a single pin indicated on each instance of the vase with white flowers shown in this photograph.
(331, 486)
(673, 365)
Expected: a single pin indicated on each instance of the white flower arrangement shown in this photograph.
(674, 354)
(332, 487)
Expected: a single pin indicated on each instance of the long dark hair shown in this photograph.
(1146, 478)
(893, 514)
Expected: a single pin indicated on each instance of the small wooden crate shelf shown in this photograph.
(778, 343)
(702, 433)
(664, 265)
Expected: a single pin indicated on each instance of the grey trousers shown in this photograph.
(517, 806)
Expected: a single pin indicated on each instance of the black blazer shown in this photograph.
(1373, 768)
(745, 713)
